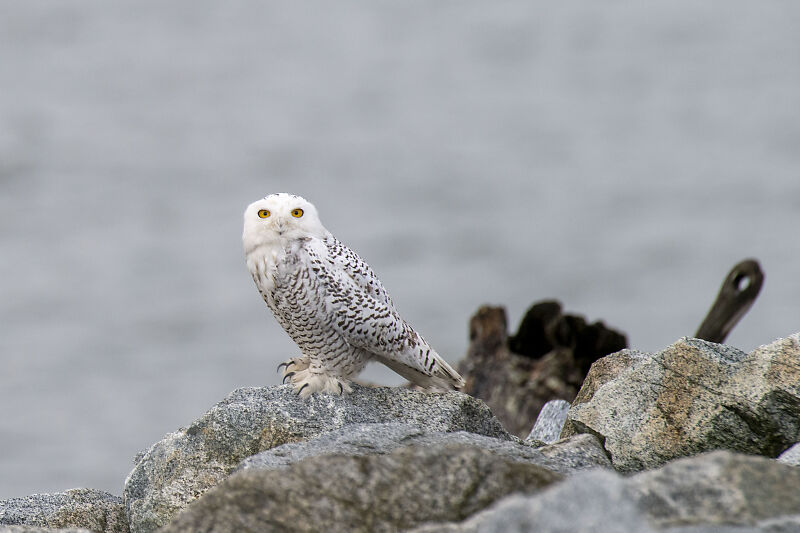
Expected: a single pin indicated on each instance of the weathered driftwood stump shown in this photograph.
(547, 359)
(551, 353)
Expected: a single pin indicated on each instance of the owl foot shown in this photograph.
(306, 382)
(293, 365)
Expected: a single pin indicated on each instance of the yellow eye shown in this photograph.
(263, 213)
(297, 213)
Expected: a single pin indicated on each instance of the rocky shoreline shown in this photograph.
(695, 438)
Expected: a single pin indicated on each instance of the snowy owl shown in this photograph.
(330, 302)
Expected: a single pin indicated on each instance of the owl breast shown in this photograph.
(263, 265)
(289, 280)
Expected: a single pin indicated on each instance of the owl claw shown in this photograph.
(297, 363)
(306, 381)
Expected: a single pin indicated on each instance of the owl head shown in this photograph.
(279, 218)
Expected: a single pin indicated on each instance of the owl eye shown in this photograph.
(263, 213)
(297, 213)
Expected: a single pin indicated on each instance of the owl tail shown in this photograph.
(442, 376)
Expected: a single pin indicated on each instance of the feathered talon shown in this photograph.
(308, 381)
(285, 364)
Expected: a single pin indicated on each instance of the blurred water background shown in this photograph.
(619, 156)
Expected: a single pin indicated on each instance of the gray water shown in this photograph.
(618, 156)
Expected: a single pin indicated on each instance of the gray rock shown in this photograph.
(719, 492)
(761, 527)
(784, 524)
(355, 439)
(550, 422)
(692, 397)
(77, 508)
(580, 453)
(791, 456)
(717, 488)
(37, 529)
(388, 492)
(591, 501)
(178, 469)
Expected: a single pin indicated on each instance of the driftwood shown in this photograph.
(736, 296)
(546, 359)
(550, 355)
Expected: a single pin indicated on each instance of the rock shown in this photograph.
(547, 359)
(185, 464)
(580, 453)
(691, 397)
(714, 492)
(36, 529)
(712, 529)
(387, 492)
(791, 456)
(783, 524)
(550, 422)
(77, 508)
(717, 488)
(592, 501)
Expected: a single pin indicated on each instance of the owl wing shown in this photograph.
(363, 314)
(360, 273)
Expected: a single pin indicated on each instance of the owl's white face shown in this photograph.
(279, 218)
